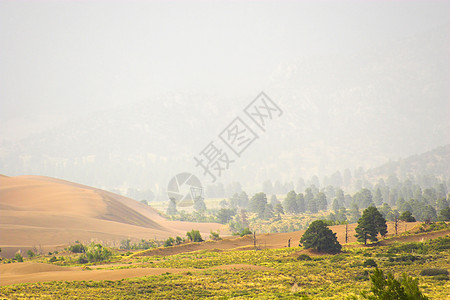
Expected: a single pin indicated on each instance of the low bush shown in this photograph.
(407, 247)
(433, 272)
(304, 257)
(77, 248)
(245, 231)
(407, 257)
(82, 259)
(194, 236)
(169, 242)
(362, 277)
(96, 252)
(441, 277)
(18, 257)
(337, 258)
(214, 236)
(370, 263)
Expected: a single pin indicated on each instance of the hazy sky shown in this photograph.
(64, 58)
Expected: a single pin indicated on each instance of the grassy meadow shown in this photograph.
(287, 273)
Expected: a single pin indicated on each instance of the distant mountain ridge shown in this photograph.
(435, 162)
(339, 112)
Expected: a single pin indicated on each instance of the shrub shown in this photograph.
(214, 236)
(194, 236)
(125, 244)
(245, 231)
(407, 257)
(18, 257)
(440, 244)
(407, 247)
(30, 253)
(178, 240)
(337, 258)
(77, 248)
(362, 277)
(82, 259)
(441, 277)
(53, 259)
(370, 263)
(304, 257)
(433, 272)
(96, 252)
(169, 242)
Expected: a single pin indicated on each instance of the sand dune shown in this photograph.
(44, 212)
(36, 272)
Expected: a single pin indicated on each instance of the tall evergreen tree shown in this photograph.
(335, 206)
(243, 199)
(320, 238)
(290, 203)
(363, 198)
(321, 201)
(274, 200)
(199, 204)
(378, 198)
(172, 208)
(354, 213)
(301, 207)
(312, 206)
(370, 225)
(340, 197)
(258, 204)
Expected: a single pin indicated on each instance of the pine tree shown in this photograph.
(370, 225)
(301, 207)
(199, 204)
(290, 203)
(172, 208)
(321, 201)
(335, 205)
(378, 198)
(258, 204)
(389, 288)
(319, 237)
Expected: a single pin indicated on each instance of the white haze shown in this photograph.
(124, 93)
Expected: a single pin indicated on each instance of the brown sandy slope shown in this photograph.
(48, 213)
(37, 272)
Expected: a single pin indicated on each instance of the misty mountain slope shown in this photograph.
(389, 100)
(435, 162)
(346, 111)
